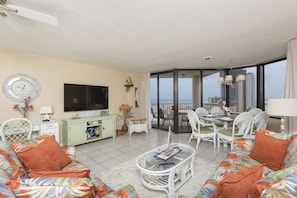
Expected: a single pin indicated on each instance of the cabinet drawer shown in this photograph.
(49, 126)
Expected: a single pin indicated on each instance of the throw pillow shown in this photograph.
(63, 173)
(236, 184)
(269, 150)
(43, 155)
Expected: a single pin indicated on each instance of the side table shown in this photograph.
(51, 128)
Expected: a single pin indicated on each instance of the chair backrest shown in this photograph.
(200, 111)
(259, 121)
(242, 123)
(255, 111)
(16, 129)
(217, 111)
(194, 121)
(161, 114)
(153, 113)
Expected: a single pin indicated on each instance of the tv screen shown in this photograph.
(85, 97)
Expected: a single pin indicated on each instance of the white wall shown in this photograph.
(52, 73)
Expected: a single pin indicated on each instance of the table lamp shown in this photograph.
(284, 108)
(46, 110)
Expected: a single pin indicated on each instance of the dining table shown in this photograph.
(217, 120)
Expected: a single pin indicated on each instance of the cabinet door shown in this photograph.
(77, 133)
(108, 128)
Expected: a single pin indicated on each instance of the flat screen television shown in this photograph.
(85, 97)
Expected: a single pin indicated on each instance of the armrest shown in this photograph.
(281, 183)
(52, 187)
(243, 146)
(70, 151)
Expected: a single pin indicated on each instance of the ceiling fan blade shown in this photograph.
(32, 14)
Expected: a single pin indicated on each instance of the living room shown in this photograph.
(142, 39)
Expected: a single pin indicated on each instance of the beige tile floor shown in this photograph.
(105, 154)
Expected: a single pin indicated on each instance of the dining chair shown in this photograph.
(16, 129)
(258, 122)
(255, 111)
(240, 128)
(200, 111)
(216, 111)
(201, 131)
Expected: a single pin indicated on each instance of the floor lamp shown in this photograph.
(284, 108)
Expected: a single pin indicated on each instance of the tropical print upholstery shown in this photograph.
(15, 182)
(280, 183)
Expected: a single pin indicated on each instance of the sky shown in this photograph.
(274, 84)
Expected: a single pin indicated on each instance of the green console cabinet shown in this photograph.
(84, 130)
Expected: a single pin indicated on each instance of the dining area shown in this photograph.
(222, 126)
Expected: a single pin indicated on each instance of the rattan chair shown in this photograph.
(201, 131)
(16, 129)
(240, 128)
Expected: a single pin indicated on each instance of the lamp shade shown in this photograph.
(228, 78)
(46, 110)
(282, 107)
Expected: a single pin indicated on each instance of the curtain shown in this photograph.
(146, 98)
(291, 80)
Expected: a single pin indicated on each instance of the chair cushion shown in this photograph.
(48, 155)
(269, 150)
(235, 184)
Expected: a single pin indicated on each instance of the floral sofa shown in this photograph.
(42, 168)
(265, 167)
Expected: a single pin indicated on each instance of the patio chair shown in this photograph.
(201, 131)
(155, 116)
(240, 128)
(164, 118)
(16, 129)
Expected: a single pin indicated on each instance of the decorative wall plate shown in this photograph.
(18, 87)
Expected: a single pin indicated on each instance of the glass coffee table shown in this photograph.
(160, 173)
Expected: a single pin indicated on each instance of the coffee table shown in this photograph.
(166, 175)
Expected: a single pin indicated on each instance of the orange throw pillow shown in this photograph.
(46, 156)
(63, 173)
(236, 184)
(269, 150)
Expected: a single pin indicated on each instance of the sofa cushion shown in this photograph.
(48, 155)
(269, 150)
(65, 173)
(233, 182)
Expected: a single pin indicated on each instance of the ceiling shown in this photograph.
(155, 35)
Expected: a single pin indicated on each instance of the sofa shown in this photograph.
(263, 167)
(42, 168)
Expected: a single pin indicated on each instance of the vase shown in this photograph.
(125, 126)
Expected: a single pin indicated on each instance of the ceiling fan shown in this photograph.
(25, 12)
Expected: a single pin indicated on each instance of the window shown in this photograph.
(275, 75)
(213, 91)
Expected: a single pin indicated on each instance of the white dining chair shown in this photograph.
(201, 131)
(217, 111)
(258, 122)
(240, 128)
(255, 111)
(200, 111)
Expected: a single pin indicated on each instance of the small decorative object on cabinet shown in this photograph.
(50, 127)
(84, 130)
